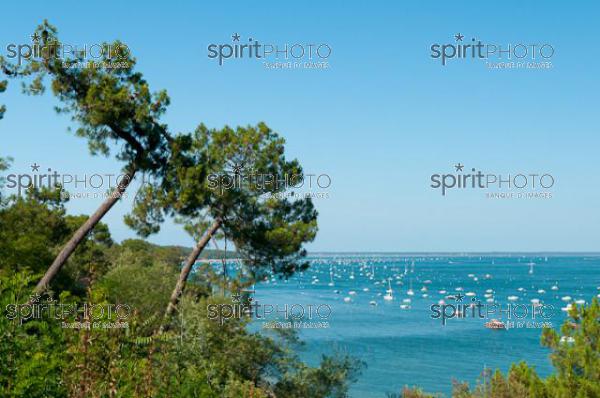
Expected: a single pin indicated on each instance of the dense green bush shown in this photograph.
(197, 357)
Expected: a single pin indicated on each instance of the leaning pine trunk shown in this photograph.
(82, 232)
(187, 267)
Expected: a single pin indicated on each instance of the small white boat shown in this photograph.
(366, 289)
(566, 298)
(513, 298)
(410, 290)
(373, 303)
(495, 324)
(567, 339)
(541, 291)
(404, 306)
(406, 300)
(347, 299)
(470, 294)
(389, 292)
(555, 287)
(459, 289)
(568, 308)
(442, 292)
(580, 302)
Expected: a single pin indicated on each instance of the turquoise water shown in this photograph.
(406, 346)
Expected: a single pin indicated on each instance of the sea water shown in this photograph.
(406, 346)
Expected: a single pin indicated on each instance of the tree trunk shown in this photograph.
(187, 267)
(224, 264)
(82, 232)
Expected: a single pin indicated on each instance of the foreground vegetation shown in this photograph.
(197, 357)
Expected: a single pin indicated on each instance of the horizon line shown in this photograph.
(455, 252)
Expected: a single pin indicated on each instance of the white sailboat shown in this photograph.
(389, 292)
(410, 290)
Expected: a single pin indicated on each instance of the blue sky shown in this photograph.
(380, 121)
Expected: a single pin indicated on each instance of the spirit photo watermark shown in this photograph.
(519, 55)
(515, 185)
(79, 56)
(273, 316)
(273, 56)
(73, 315)
(501, 316)
(73, 185)
(313, 185)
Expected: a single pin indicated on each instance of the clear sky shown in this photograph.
(380, 120)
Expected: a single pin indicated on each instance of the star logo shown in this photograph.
(35, 297)
(35, 167)
(235, 37)
(458, 297)
(237, 168)
(458, 37)
(459, 167)
(235, 297)
(50, 296)
(35, 37)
